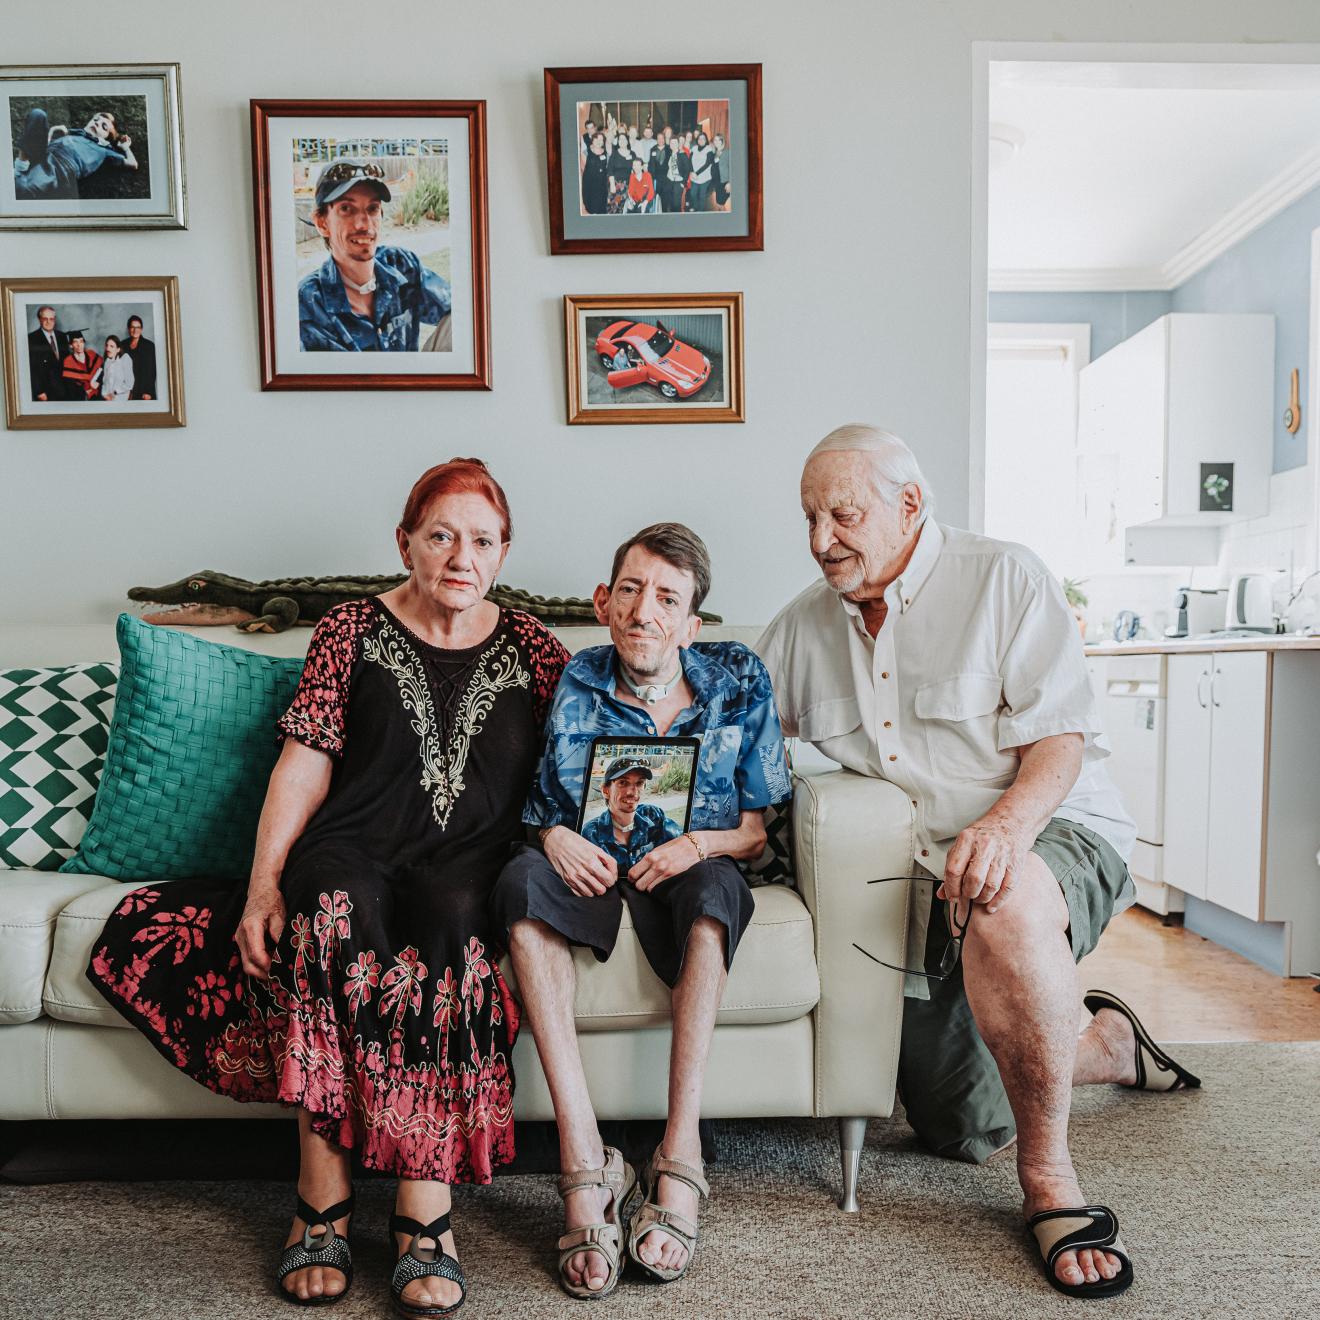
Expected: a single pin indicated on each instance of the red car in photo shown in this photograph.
(634, 353)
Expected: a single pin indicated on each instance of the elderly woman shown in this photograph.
(368, 996)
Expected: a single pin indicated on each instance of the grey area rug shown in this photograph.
(1218, 1192)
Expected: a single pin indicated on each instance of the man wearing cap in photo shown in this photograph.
(366, 298)
(628, 828)
(52, 161)
(81, 369)
(688, 901)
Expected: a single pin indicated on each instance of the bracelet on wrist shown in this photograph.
(696, 843)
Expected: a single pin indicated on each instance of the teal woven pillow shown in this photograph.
(192, 744)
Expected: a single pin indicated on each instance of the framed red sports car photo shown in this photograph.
(654, 358)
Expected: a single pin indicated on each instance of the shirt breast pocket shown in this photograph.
(827, 720)
(960, 717)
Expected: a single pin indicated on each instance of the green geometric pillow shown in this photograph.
(53, 726)
(191, 749)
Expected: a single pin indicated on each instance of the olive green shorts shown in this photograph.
(947, 1078)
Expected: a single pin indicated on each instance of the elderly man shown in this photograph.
(628, 828)
(688, 900)
(949, 664)
(366, 298)
(47, 347)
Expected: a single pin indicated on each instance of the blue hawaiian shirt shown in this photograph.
(741, 765)
(651, 827)
(407, 294)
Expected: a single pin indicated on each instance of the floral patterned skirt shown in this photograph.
(385, 1015)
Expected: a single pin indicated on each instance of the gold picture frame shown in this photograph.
(74, 395)
(657, 358)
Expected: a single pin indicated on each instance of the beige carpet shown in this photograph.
(1218, 1192)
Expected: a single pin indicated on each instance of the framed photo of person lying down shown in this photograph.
(657, 357)
(659, 158)
(637, 794)
(371, 244)
(91, 352)
(91, 146)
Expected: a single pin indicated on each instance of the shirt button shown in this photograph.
(893, 758)
(889, 724)
(914, 802)
(907, 600)
(925, 852)
(885, 674)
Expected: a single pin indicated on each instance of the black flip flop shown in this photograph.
(1156, 1071)
(1076, 1229)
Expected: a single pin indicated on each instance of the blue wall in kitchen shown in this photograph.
(1113, 317)
(1268, 271)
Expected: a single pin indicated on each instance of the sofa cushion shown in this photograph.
(30, 902)
(53, 726)
(773, 979)
(192, 744)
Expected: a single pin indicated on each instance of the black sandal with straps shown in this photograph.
(420, 1262)
(320, 1246)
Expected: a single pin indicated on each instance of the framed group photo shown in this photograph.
(655, 158)
(660, 357)
(91, 353)
(371, 237)
(637, 794)
(92, 146)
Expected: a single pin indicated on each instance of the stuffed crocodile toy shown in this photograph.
(210, 598)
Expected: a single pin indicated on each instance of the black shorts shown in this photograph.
(663, 918)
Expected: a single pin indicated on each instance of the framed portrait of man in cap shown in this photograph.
(371, 244)
(637, 794)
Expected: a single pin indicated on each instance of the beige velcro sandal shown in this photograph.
(618, 1177)
(652, 1216)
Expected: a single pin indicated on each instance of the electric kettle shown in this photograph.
(1250, 603)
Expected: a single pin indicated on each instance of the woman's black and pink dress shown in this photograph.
(385, 1015)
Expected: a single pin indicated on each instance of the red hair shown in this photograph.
(460, 476)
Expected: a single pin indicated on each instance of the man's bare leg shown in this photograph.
(546, 981)
(1022, 987)
(695, 1001)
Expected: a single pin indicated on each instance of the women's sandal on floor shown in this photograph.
(652, 1216)
(320, 1246)
(603, 1238)
(1155, 1070)
(1077, 1229)
(420, 1262)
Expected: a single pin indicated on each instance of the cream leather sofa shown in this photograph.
(808, 1026)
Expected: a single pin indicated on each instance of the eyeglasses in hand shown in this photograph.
(952, 950)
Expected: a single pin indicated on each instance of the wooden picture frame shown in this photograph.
(659, 342)
(75, 396)
(69, 172)
(730, 214)
(402, 144)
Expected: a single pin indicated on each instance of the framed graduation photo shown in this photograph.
(371, 244)
(91, 352)
(92, 146)
(637, 794)
(658, 158)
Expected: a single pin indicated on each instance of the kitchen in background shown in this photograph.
(1151, 431)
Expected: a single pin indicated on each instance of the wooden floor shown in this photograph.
(1183, 987)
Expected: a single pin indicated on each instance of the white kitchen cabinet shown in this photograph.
(1187, 399)
(1242, 789)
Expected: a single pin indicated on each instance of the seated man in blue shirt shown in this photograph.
(365, 298)
(687, 898)
(628, 828)
(52, 162)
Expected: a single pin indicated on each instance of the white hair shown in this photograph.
(893, 464)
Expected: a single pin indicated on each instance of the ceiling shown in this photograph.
(1135, 176)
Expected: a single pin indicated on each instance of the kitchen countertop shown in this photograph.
(1182, 645)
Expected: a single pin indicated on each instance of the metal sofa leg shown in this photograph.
(852, 1136)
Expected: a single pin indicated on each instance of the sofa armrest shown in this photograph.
(848, 829)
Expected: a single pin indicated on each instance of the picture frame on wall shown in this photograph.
(371, 240)
(92, 146)
(654, 358)
(91, 352)
(655, 158)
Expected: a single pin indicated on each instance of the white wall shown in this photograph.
(859, 308)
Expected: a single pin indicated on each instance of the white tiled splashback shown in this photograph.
(1281, 542)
